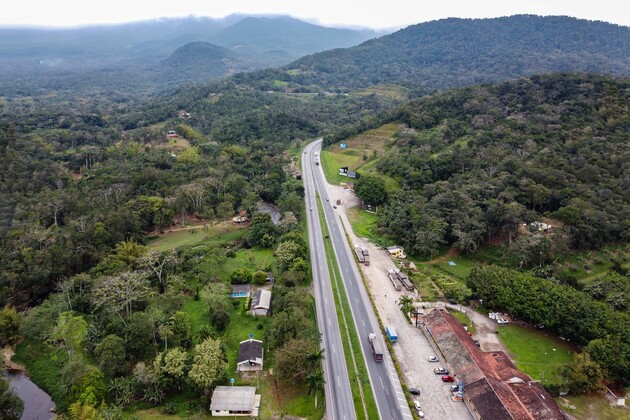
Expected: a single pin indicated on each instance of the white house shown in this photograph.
(230, 401)
(261, 302)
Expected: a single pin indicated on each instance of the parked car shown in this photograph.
(433, 359)
(414, 391)
(454, 388)
(418, 407)
(440, 371)
(447, 378)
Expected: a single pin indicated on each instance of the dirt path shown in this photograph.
(485, 329)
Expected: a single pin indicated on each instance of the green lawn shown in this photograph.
(350, 339)
(364, 226)
(197, 311)
(253, 259)
(588, 407)
(464, 319)
(462, 268)
(360, 155)
(223, 232)
(533, 351)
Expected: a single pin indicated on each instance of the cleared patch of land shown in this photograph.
(536, 352)
(361, 155)
(222, 232)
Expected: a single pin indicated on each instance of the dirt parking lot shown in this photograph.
(412, 349)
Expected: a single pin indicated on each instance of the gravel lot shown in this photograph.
(412, 349)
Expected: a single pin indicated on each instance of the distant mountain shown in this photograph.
(457, 52)
(201, 60)
(283, 37)
(132, 54)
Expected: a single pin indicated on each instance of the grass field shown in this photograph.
(349, 336)
(364, 226)
(535, 352)
(222, 232)
(360, 155)
(464, 319)
(253, 259)
(589, 407)
(386, 90)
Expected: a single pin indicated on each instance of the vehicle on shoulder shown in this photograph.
(433, 359)
(418, 407)
(414, 391)
(440, 371)
(447, 378)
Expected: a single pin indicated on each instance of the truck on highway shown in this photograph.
(391, 334)
(376, 348)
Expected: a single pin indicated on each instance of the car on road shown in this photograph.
(305, 152)
(334, 207)
(454, 388)
(414, 391)
(311, 208)
(440, 371)
(418, 407)
(327, 199)
(433, 359)
(447, 378)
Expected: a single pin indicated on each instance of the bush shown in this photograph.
(169, 409)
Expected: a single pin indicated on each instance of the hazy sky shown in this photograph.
(370, 13)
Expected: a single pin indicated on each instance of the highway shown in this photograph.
(386, 387)
(339, 404)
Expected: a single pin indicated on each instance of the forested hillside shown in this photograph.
(458, 52)
(130, 57)
(475, 163)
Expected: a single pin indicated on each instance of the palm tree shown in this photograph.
(406, 304)
(314, 358)
(315, 383)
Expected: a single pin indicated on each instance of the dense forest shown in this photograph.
(458, 52)
(476, 163)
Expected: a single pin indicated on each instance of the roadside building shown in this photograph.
(250, 356)
(261, 302)
(493, 388)
(231, 401)
(396, 251)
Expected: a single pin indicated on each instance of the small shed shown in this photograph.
(250, 356)
(235, 401)
(396, 251)
(261, 302)
(270, 277)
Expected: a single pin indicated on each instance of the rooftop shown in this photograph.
(261, 299)
(250, 350)
(491, 380)
(233, 398)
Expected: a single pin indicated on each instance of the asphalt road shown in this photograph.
(385, 383)
(339, 404)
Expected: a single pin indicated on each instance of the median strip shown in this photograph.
(362, 395)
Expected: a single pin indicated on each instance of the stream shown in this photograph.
(37, 403)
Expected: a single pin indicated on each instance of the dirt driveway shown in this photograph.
(412, 349)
